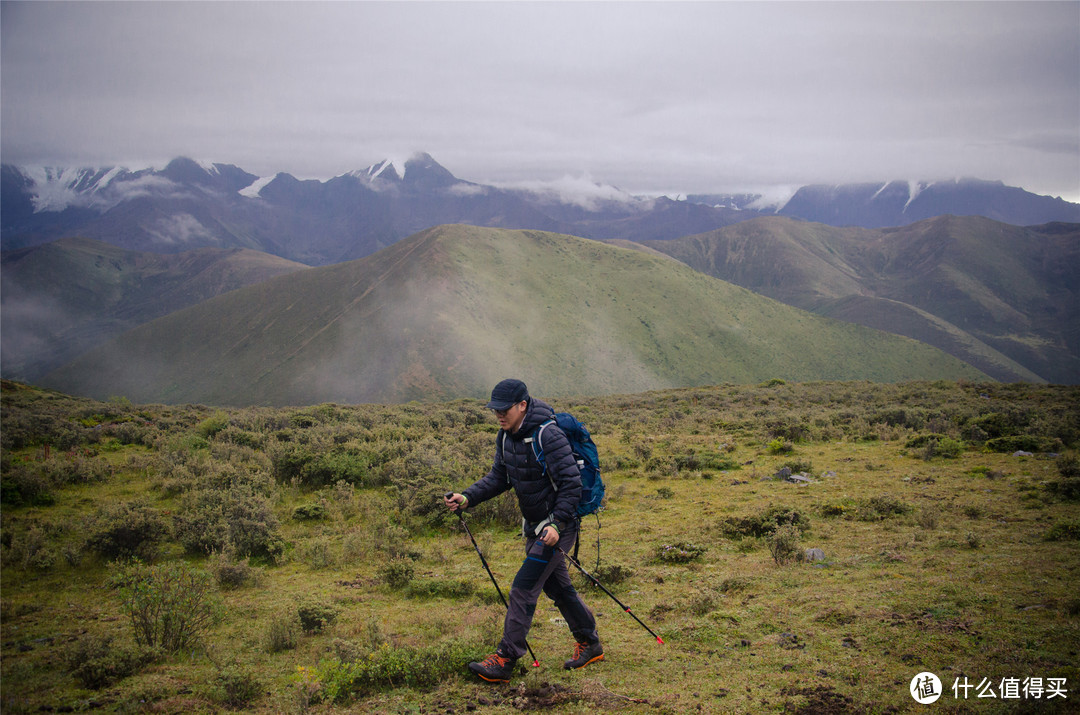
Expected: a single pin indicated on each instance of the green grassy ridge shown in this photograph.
(963, 582)
(1011, 288)
(451, 310)
(64, 297)
(905, 319)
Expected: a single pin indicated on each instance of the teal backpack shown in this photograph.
(588, 460)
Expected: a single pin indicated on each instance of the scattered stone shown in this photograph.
(784, 473)
(814, 554)
(1022, 453)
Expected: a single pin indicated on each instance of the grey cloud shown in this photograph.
(644, 96)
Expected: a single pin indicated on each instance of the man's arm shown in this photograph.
(490, 485)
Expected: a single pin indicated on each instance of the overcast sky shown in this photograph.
(649, 97)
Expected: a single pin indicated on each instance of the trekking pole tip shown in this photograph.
(660, 640)
(536, 664)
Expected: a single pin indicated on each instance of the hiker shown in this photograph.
(549, 523)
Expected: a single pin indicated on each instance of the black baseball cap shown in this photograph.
(508, 393)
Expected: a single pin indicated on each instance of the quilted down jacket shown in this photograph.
(516, 466)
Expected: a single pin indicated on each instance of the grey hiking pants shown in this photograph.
(544, 569)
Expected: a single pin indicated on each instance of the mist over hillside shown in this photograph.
(450, 311)
(58, 300)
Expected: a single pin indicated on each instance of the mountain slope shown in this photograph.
(451, 310)
(60, 299)
(1000, 297)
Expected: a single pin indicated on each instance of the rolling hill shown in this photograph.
(60, 299)
(451, 310)
(1003, 298)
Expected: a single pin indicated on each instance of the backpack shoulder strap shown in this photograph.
(538, 448)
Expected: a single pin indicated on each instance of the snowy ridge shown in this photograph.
(54, 189)
(377, 170)
(252, 190)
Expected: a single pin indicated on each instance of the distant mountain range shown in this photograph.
(451, 310)
(187, 205)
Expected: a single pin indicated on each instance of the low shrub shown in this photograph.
(453, 588)
(238, 518)
(1068, 466)
(879, 508)
(23, 484)
(936, 445)
(714, 462)
(779, 446)
(763, 524)
(129, 530)
(612, 573)
(680, 553)
(1064, 531)
(315, 616)
(397, 573)
(1015, 443)
(784, 544)
(310, 512)
(98, 660)
(392, 666)
(212, 425)
(170, 606)
(282, 632)
(927, 517)
(799, 466)
(841, 508)
(231, 573)
(236, 686)
(1068, 486)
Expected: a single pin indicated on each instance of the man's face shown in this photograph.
(510, 419)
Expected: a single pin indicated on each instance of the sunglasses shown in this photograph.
(502, 413)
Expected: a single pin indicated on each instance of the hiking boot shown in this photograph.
(585, 653)
(495, 668)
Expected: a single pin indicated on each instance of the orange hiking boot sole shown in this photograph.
(599, 657)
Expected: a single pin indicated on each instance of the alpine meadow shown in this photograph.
(806, 548)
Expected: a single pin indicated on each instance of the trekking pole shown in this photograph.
(621, 604)
(461, 518)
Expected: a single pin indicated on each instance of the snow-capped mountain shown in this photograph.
(190, 204)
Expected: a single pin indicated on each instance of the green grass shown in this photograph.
(452, 310)
(985, 588)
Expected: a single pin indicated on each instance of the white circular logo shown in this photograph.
(925, 688)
